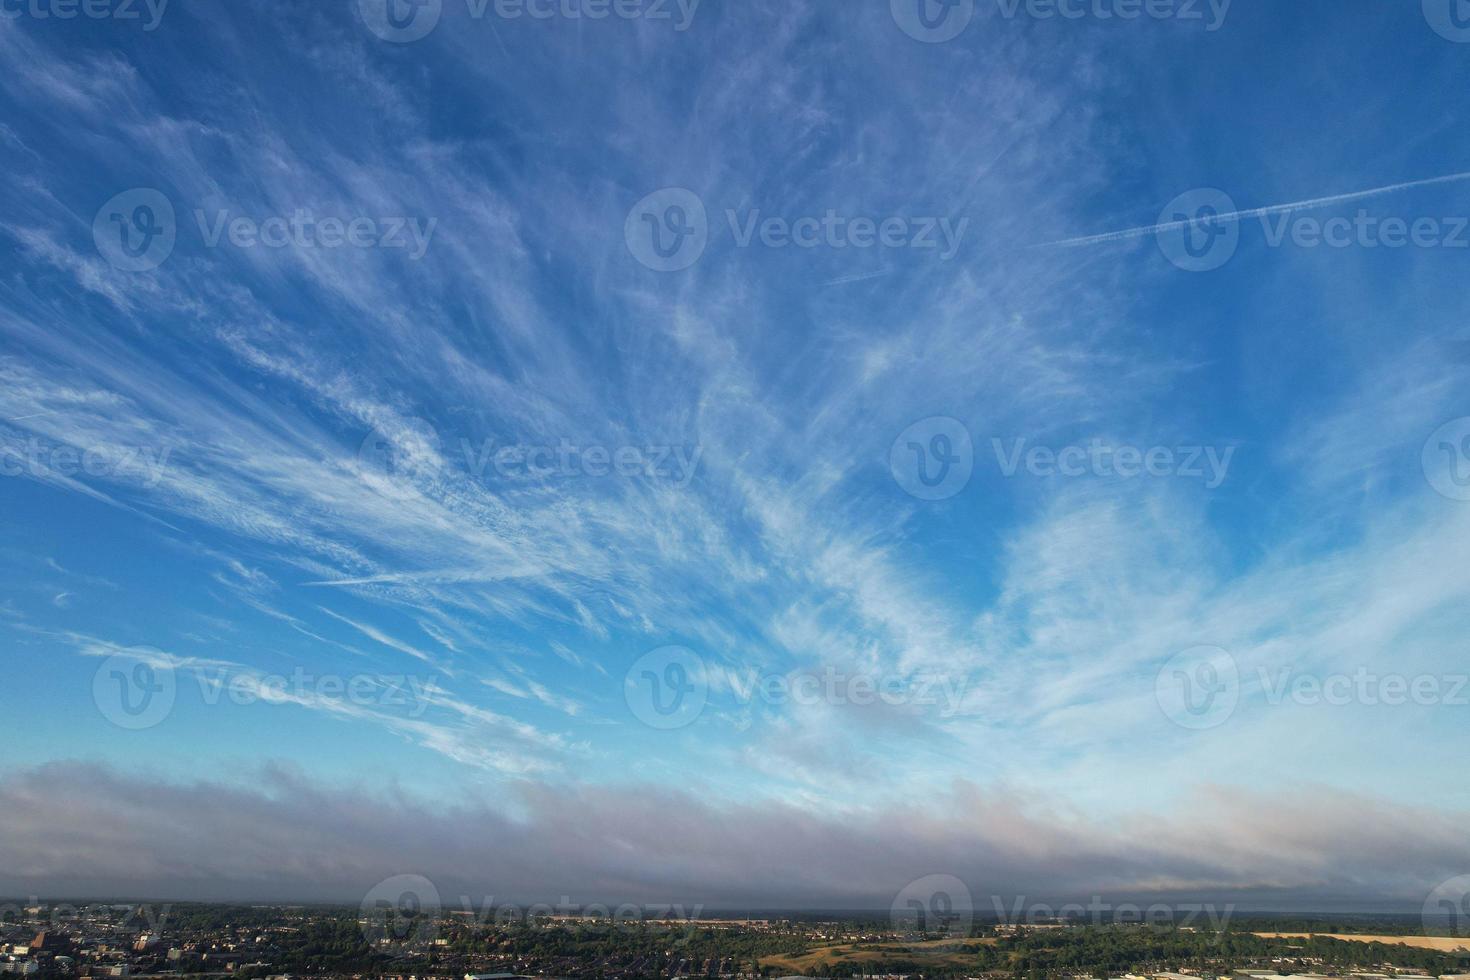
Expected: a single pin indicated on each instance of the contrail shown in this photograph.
(27, 418)
(860, 277)
(1316, 202)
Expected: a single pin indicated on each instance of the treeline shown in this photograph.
(1369, 925)
(627, 941)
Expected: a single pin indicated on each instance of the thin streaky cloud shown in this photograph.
(1042, 607)
(1316, 202)
(383, 638)
(859, 277)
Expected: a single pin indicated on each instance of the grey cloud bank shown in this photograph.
(280, 837)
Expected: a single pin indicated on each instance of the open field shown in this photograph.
(941, 952)
(952, 952)
(1442, 944)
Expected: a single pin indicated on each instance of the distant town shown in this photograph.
(61, 940)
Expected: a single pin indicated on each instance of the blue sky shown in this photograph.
(382, 379)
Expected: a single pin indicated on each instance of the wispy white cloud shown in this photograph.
(255, 378)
